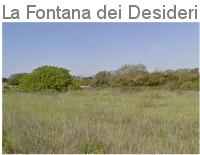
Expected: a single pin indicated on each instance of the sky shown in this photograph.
(87, 48)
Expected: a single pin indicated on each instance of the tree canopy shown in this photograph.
(47, 77)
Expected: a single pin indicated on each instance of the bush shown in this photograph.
(190, 85)
(15, 79)
(102, 79)
(47, 77)
(156, 78)
(132, 75)
(75, 85)
(4, 80)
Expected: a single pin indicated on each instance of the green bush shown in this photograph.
(156, 78)
(187, 74)
(132, 75)
(102, 79)
(4, 80)
(190, 85)
(47, 78)
(15, 79)
(75, 85)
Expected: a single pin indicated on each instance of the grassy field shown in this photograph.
(101, 121)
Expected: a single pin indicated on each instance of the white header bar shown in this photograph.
(100, 11)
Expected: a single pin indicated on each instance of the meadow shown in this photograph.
(101, 121)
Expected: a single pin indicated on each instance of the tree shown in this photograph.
(187, 75)
(157, 78)
(4, 80)
(138, 68)
(132, 75)
(47, 77)
(190, 85)
(15, 79)
(102, 79)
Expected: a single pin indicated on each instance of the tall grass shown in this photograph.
(101, 121)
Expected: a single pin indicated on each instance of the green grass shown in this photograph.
(101, 121)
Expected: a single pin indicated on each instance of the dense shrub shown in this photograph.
(4, 80)
(194, 85)
(161, 78)
(102, 79)
(47, 77)
(75, 85)
(55, 78)
(187, 74)
(137, 75)
(15, 79)
(132, 75)
(138, 68)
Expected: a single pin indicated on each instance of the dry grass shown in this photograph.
(101, 121)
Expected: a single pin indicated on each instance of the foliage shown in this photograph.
(102, 79)
(155, 79)
(4, 80)
(132, 75)
(188, 78)
(47, 77)
(15, 79)
(129, 75)
(188, 85)
(75, 85)
(138, 68)
(137, 75)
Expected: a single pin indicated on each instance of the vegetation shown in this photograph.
(102, 79)
(15, 79)
(190, 85)
(101, 121)
(137, 75)
(4, 80)
(130, 110)
(47, 77)
(132, 75)
(59, 79)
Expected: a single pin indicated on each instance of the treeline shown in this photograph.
(59, 79)
(43, 78)
(137, 75)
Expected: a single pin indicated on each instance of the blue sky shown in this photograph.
(86, 48)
